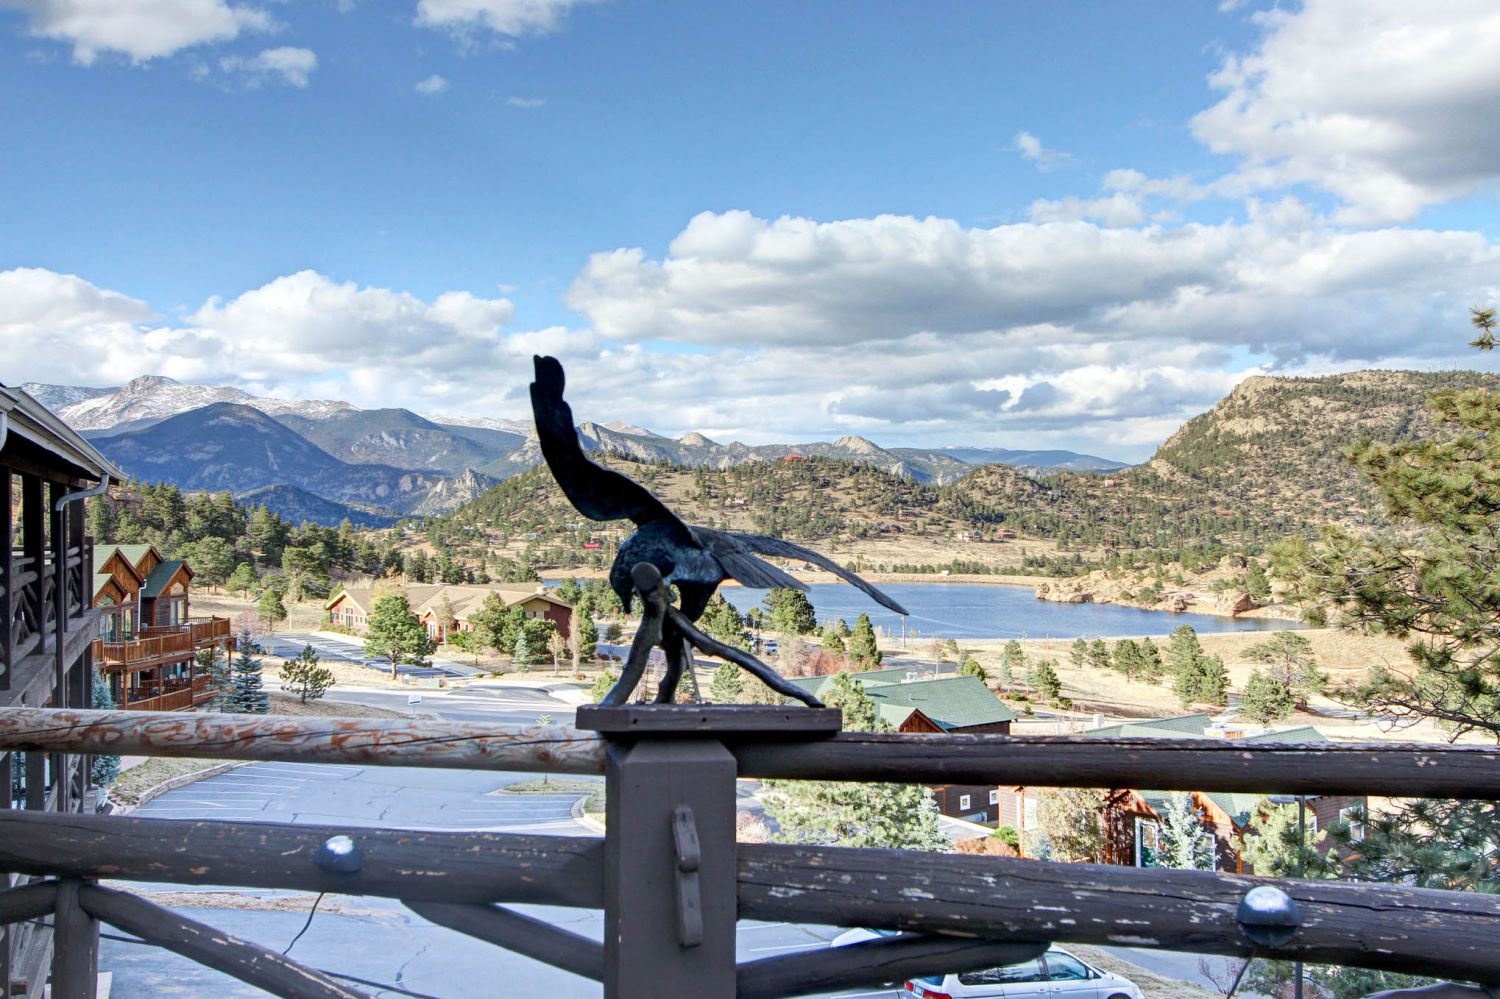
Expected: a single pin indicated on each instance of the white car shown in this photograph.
(1055, 974)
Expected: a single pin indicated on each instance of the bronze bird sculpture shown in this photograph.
(693, 559)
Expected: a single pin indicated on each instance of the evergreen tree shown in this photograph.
(1257, 585)
(246, 696)
(723, 622)
(727, 687)
(270, 607)
(242, 580)
(1185, 844)
(1183, 651)
(1266, 699)
(863, 648)
(1078, 654)
(791, 612)
(304, 677)
(1271, 846)
(1152, 669)
(1127, 658)
(1292, 663)
(395, 633)
(1005, 675)
(846, 813)
(107, 767)
(531, 644)
(602, 684)
(1047, 680)
(972, 667)
(1012, 661)
(220, 672)
(1099, 657)
(832, 641)
(588, 638)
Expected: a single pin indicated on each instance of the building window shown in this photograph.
(963, 803)
(994, 796)
(1354, 816)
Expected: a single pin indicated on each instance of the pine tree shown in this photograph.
(1127, 658)
(588, 637)
(270, 607)
(727, 686)
(1099, 657)
(1152, 669)
(395, 633)
(1271, 846)
(304, 677)
(1012, 661)
(972, 667)
(106, 768)
(846, 813)
(863, 648)
(791, 612)
(1078, 654)
(1292, 663)
(1047, 680)
(603, 683)
(246, 696)
(723, 622)
(1266, 699)
(242, 580)
(1185, 844)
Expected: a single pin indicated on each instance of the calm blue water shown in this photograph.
(979, 610)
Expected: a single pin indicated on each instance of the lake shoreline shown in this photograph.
(1270, 612)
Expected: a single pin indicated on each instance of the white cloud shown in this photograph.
(526, 102)
(434, 84)
(293, 66)
(141, 30)
(1383, 103)
(300, 329)
(507, 18)
(1031, 148)
(1118, 209)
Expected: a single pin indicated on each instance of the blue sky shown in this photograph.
(1044, 224)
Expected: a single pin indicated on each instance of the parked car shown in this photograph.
(1055, 974)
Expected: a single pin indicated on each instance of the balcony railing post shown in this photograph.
(670, 864)
(7, 582)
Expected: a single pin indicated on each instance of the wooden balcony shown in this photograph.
(176, 695)
(158, 646)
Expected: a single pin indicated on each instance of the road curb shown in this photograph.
(584, 818)
(172, 784)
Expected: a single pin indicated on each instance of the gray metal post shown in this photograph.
(669, 875)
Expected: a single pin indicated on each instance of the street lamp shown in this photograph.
(1301, 800)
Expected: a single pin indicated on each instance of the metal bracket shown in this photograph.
(689, 856)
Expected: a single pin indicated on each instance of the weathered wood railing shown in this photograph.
(672, 769)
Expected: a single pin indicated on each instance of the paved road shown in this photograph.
(345, 649)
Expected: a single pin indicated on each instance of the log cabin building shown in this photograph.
(148, 642)
(1133, 817)
(955, 704)
(47, 627)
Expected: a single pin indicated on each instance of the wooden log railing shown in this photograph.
(954, 911)
(1385, 769)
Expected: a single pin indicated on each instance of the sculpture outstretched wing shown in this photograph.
(739, 561)
(766, 545)
(598, 493)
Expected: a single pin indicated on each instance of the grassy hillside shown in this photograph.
(1266, 462)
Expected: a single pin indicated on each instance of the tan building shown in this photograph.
(434, 602)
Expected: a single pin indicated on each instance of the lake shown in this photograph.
(980, 610)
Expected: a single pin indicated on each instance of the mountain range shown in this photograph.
(324, 460)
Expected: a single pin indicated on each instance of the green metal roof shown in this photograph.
(100, 580)
(1304, 734)
(1156, 728)
(133, 553)
(952, 702)
(160, 577)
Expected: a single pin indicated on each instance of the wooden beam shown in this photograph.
(297, 739)
(875, 962)
(31, 901)
(1444, 934)
(1386, 769)
(75, 946)
(522, 934)
(397, 863)
(250, 963)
